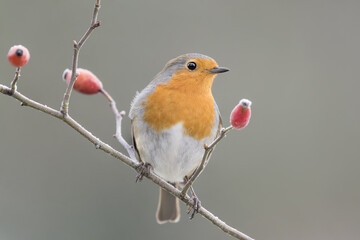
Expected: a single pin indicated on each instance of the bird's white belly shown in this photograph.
(172, 154)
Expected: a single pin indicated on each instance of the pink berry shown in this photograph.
(86, 82)
(18, 55)
(240, 115)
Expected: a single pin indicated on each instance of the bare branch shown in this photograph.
(118, 118)
(16, 78)
(72, 123)
(77, 46)
(205, 158)
(128, 161)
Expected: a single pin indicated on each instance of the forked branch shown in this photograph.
(118, 117)
(77, 46)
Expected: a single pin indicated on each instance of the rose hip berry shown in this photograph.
(18, 55)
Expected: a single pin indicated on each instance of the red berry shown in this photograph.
(18, 55)
(86, 81)
(240, 115)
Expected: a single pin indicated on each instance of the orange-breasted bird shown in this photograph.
(172, 119)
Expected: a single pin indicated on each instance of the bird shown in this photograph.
(172, 119)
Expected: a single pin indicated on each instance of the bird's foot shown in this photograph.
(143, 170)
(197, 204)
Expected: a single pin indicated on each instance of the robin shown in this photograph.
(172, 118)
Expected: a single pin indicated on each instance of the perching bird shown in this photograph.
(172, 119)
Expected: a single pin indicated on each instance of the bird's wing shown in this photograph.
(137, 154)
(219, 127)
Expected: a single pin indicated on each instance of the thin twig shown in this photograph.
(77, 46)
(128, 161)
(208, 150)
(118, 117)
(16, 78)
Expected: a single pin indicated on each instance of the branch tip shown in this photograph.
(77, 46)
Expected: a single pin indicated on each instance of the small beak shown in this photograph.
(219, 70)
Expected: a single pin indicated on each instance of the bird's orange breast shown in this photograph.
(185, 98)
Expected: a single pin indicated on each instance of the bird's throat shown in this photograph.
(188, 101)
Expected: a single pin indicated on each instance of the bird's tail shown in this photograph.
(168, 208)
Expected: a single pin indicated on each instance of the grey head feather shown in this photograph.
(175, 64)
(163, 76)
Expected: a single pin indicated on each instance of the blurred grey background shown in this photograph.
(293, 173)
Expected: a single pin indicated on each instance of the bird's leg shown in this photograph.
(143, 169)
(197, 204)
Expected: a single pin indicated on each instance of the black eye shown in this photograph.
(191, 66)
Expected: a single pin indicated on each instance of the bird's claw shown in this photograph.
(143, 170)
(195, 208)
